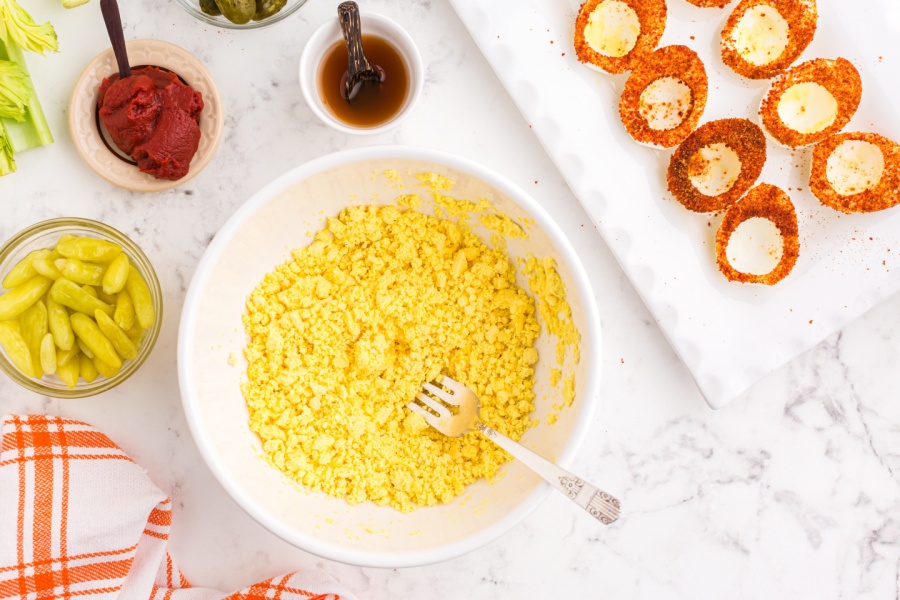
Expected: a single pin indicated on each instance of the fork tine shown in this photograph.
(441, 394)
(453, 385)
(429, 417)
(442, 411)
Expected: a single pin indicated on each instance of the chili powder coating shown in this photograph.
(882, 195)
(744, 137)
(802, 17)
(769, 202)
(839, 77)
(681, 63)
(709, 3)
(652, 18)
(153, 117)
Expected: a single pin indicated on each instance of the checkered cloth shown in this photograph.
(80, 520)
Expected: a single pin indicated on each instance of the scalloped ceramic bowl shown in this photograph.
(87, 131)
(210, 365)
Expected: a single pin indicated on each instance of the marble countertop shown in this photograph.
(792, 491)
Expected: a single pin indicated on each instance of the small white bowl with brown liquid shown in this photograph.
(376, 107)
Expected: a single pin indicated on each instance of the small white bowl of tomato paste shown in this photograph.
(154, 131)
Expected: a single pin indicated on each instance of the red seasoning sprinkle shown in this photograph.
(773, 204)
(839, 77)
(742, 136)
(652, 18)
(884, 194)
(801, 17)
(681, 63)
(709, 3)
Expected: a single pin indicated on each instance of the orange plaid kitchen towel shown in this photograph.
(80, 520)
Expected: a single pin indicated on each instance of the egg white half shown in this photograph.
(761, 35)
(854, 167)
(718, 170)
(612, 29)
(807, 107)
(755, 247)
(665, 103)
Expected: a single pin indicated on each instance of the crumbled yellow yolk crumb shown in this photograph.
(569, 389)
(409, 200)
(502, 225)
(343, 336)
(459, 208)
(393, 176)
(435, 181)
(550, 293)
(555, 376)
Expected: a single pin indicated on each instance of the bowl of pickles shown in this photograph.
(241, 14)
(80, 308)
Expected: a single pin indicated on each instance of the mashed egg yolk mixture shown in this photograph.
(343, 336)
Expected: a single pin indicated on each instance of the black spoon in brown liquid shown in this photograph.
(359, 70)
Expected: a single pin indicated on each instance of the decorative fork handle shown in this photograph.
(595, 501)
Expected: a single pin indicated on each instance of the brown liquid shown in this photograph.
(375, 103)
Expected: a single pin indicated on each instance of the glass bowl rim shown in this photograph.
(193, 9)
(138, 259)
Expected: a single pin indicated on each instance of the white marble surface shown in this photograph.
(790, 492)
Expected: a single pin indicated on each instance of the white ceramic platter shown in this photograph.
(728, 335)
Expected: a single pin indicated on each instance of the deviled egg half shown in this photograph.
(856, 172)
(762, 38)
(758, 240)
(811, 101)
(664, 97)
(613, 35)
(717, 164)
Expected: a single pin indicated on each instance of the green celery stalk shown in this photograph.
(7, 164)
(22, 121)
(33, 131)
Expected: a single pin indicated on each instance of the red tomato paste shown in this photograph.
(155, 118)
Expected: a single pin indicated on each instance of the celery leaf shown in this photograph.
(18, 27)
(14, 91)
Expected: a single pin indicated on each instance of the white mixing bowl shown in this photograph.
(210, 363)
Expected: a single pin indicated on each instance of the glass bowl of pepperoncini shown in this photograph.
(80, 308)
(241, 14)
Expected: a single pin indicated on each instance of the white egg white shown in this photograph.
(755, 247)
(854, 167)
(722, 169)
(612, 29)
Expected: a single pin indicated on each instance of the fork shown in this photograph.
(433, 407)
